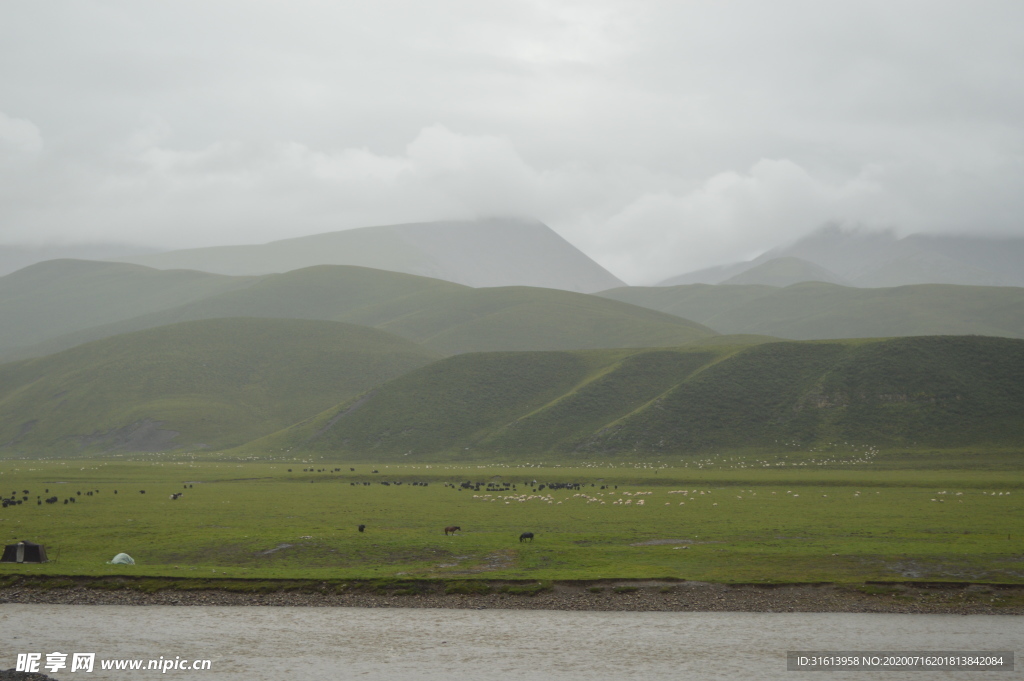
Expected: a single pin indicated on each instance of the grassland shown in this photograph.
(797, 516)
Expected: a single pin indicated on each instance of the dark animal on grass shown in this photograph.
(526, 535)
(452, 529)
(362, 528)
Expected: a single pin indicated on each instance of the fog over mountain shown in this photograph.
(855, 257)
(14, 257)
(476, 253)
(658, 138)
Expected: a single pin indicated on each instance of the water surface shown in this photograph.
(274, 643)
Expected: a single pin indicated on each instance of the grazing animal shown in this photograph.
(362, 527)
(526, 535)
(452, 529)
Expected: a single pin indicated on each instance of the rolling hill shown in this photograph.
(14, 257)
(444, 317)
(205, 384)
(494, 252)
(931, 392)
(57, 297)
(814, 310)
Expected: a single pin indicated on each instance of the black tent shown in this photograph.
(24, 552)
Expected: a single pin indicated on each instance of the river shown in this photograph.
(276, 643)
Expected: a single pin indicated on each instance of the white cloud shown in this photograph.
(251, 192)
(734, 215)
(245, 192)
(657, 136)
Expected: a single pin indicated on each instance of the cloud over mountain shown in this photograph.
(657, 137)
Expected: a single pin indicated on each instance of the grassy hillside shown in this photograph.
(444, 317)
(522, 318)
(62, 296)
(816, 310)
(912, 392)
(212, 383)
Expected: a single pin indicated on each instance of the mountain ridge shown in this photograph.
(882, 260)
(481, 253)
(444, 316)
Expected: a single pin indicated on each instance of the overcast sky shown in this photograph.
(658, 137)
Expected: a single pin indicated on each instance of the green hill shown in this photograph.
(816, 310)
(57, 297)
(444, 317)
(214, 383)
(914, 392)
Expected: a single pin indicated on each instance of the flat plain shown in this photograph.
(845, 515)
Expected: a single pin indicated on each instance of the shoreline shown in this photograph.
(607, 595)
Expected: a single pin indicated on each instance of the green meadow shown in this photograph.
(839, 516)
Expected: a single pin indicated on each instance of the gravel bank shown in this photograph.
(606, 596)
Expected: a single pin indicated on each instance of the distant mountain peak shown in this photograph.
(480, 253)
(880, 258)
(785, 271)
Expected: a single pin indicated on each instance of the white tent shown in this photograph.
(121, 559)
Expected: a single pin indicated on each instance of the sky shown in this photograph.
(658, 137)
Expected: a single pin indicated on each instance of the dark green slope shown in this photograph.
(62, 296)
(449, 404)
(526, 402)
(923, 391)
(626, 386)
(444, 317)
(816, 310)
(213, 383)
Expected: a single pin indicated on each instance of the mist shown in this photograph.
(658, 138)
